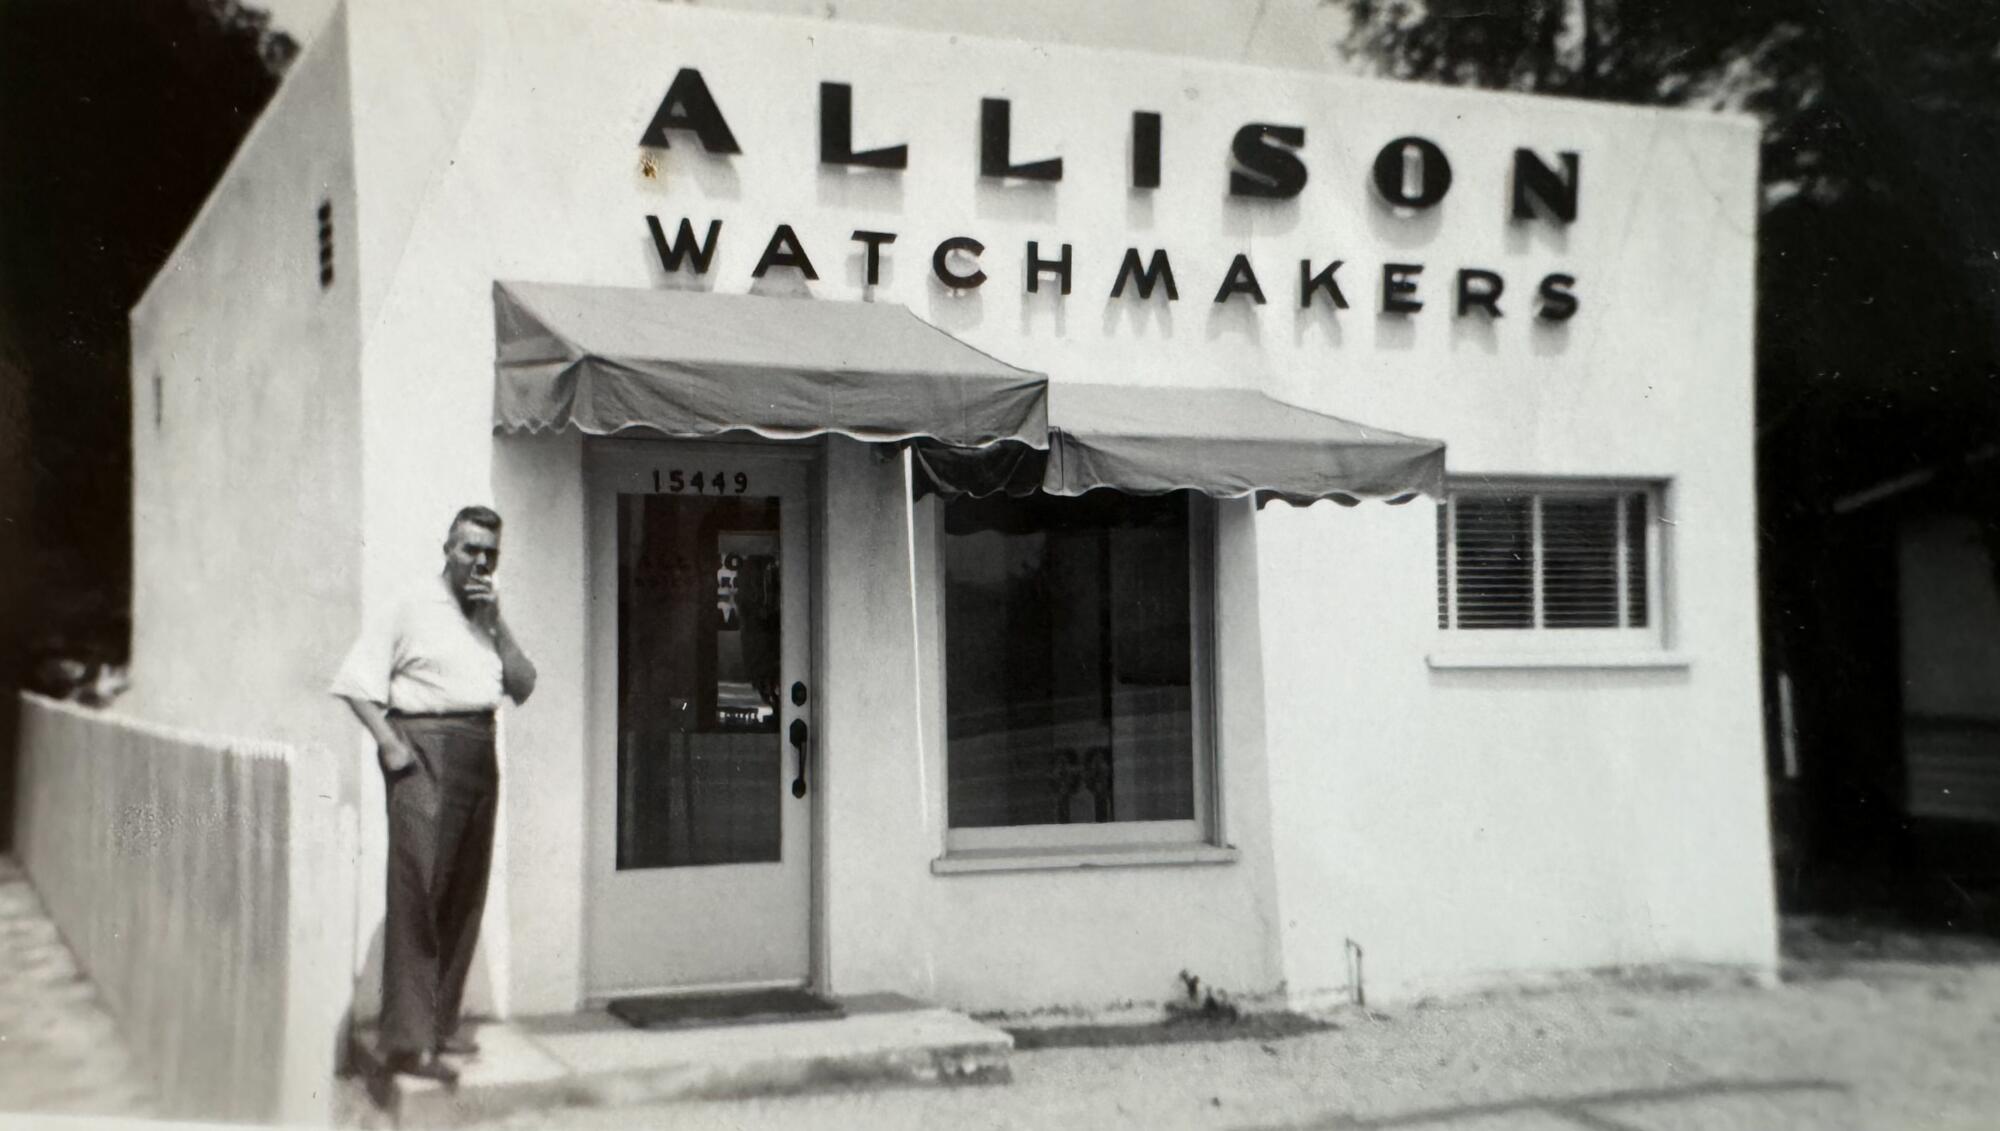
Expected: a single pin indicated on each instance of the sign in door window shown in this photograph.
(699, 634)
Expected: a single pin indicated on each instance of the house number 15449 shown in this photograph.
(678, 481)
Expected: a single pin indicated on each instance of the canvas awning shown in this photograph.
(1225, 442)
(692, 363)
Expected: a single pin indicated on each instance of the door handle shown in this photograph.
(799, 734)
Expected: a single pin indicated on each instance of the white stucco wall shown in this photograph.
(537, 910)
(1460, 825)
(247, 533)
(1473, 827)
(246, 435)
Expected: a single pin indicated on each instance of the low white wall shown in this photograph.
(204, 885)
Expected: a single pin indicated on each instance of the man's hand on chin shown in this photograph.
(482, 603)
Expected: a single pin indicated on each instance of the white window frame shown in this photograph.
(1636, 646)
(1114, 842)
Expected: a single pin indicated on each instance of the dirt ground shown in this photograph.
(1848, 1041)
(1872, 1029)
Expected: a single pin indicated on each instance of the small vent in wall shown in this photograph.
(159, 399)
(325, 244)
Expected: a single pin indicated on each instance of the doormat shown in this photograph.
(750, 1007)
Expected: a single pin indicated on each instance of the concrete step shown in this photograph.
(593, 1059)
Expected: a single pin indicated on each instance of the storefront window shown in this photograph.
(1074, 664)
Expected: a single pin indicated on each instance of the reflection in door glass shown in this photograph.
(699, 754)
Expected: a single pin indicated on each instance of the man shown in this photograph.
(425, 680)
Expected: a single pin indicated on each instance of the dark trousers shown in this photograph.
(440, 850)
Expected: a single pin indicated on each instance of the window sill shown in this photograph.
(1056, 859)
(1472, 661)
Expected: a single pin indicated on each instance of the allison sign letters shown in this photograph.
(1408, 177)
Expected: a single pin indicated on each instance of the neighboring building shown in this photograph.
(1887, 758)
(1057, 749)
(1951, 666)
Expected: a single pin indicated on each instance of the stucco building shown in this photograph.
(1059, 746)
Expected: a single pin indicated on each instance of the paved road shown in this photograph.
(59, 1050)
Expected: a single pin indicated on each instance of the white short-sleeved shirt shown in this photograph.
(423, 657)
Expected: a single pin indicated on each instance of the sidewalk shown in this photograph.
(60, 1052)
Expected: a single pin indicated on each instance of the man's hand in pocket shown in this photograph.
(396, 757)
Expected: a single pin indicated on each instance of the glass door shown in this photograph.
(701, 702)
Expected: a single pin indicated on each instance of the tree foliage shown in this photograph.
(116, 118)
(1832, 79)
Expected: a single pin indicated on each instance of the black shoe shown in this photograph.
(424, 1066)
(458, 1044)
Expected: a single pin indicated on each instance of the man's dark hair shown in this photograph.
(485, 517)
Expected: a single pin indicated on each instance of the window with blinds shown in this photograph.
(1545, 559)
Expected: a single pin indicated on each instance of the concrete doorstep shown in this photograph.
(595, 1060)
